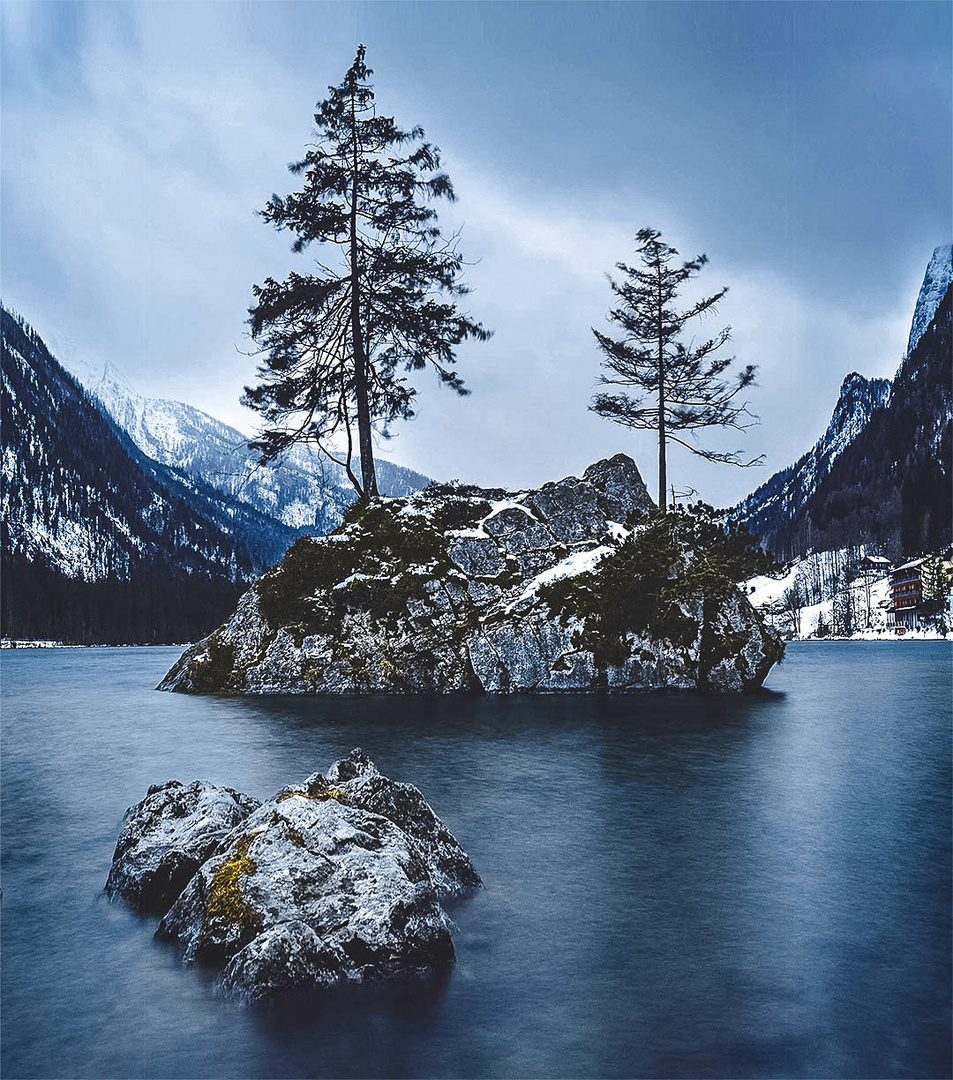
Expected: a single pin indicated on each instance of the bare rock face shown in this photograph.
(335, 880)
(167, 836)
(362, 786)
(450, 590)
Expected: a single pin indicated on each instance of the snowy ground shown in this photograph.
(766, 594)
(763, 591)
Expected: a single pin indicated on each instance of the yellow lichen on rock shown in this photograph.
(225, 900)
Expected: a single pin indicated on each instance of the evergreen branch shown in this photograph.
(725, 457)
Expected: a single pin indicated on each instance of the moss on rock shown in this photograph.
(211, 669)
(224, 903)
(669, 580)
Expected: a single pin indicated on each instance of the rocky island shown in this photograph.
(334, 880)
(580, 585)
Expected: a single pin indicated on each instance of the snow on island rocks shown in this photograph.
(452, 590)
(334, 880)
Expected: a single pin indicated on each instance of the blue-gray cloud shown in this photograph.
(805, 147)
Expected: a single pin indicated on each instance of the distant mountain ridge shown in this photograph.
(124, 518)
(305, 492)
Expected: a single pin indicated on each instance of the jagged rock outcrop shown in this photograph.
(447, 591)
(362, 786)
(936, 281)
(334, 880)
(167, 836)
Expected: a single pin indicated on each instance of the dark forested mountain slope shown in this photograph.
(129, 519)
(769, 511)
(881, 472)
(890, 484)
(97, 543)
(893, 486)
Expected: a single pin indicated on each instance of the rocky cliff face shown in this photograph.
(936, 281)
(465, 589)
(883, 463)
(881, 476)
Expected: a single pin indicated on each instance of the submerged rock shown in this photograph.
(334, 880)
(451, 590)
(167, 836)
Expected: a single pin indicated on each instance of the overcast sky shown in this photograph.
(805, 147)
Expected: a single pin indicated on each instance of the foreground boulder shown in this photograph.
(466, 589)
(166, 838)
(316, 888)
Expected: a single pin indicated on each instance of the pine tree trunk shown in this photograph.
(662, 476)
(365, 446)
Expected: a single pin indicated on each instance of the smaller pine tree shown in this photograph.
(935, 582)
(681, 382)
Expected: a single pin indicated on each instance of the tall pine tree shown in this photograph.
(338, 341)
(684, 379)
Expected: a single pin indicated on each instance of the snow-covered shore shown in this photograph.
(868, 601)
(882, 635)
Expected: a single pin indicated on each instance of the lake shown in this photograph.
(675, 885)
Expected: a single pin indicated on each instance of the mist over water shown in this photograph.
(676, 885)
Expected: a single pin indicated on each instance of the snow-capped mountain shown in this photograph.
(935, 283)
(779, 500)
(305, 492)
(74, 496)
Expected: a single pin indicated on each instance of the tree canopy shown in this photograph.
(338, 342)
(682, 384)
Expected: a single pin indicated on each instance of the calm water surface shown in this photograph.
(675, 885)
